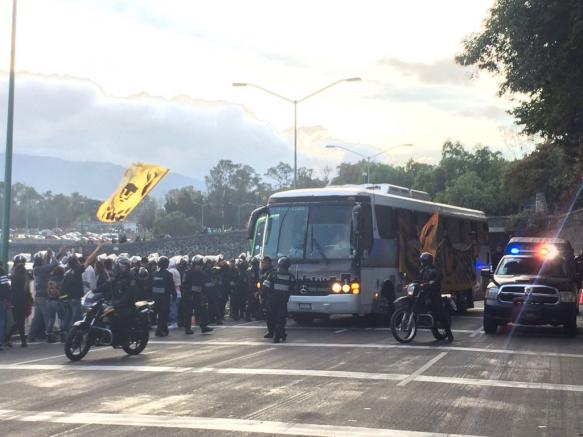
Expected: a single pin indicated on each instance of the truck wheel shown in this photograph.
(490, 326)
(570, 326)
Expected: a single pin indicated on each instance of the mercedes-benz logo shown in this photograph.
(303, 290)
(527, 290)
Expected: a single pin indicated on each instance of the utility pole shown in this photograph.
(9, 133)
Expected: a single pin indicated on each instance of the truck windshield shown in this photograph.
(531, 266)
(311, 233)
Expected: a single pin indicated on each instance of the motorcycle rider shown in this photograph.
(194, 298)
(163, 289)
(430, 277)
(120, 291)
(279, 285)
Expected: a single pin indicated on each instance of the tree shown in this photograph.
(282, 174)
(175, 224)
(537, 46)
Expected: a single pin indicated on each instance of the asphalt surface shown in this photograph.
(335, 378)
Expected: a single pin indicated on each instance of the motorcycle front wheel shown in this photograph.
(77, 344)
(138, 340)
(403, 326)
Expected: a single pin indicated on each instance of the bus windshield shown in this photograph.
(311, 233)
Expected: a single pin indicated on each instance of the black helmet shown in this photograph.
(426, 259)
(122, 265)
(143, 274)
(19, 259)
(283, 264)
(163, 262)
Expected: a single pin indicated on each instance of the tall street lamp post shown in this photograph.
(295, 103)
(368, 158)
(8, 157)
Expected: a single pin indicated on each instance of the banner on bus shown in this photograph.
(408, 245)
(456, 264)
(137, 182)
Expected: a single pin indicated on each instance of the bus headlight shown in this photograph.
(346, 288)
(336, 287)
(492, 293)
(355, 287)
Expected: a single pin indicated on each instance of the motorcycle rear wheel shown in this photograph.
(403, 326)
(77, 344)
(137, 342)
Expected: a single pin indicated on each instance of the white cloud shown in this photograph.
(73, 119)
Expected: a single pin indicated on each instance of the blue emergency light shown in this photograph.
(515, 251)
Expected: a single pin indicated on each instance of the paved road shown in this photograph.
(331, 379)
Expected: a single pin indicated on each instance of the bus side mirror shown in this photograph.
(253, 221)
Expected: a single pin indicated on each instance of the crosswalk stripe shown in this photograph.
(211, 424)
(371, 376)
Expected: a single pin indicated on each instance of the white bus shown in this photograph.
(344, 248)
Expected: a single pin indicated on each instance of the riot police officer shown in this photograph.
(266, 269)
(430, 277)
(279, 285)
(163, 290)
(194, 298)
(120, 291)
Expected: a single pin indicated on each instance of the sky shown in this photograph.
(151, 81)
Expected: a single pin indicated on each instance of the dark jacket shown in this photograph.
(431, 276)
(193, 283)
(163, 284)
(73, 282)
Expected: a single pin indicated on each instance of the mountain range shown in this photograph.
(96, 180)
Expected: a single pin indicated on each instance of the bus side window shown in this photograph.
(386, 221)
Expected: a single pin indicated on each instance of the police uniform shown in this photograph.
(279, 286)
(265, 298)
(195, 300)
(432, 276)
(162, 289)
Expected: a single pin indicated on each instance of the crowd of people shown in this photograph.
(203, 289)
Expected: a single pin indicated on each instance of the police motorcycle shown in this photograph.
(99, 328)
(413, 312)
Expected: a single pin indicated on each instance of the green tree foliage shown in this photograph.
(537, 47)
(474, 179)
(282, 174)
(175, 224)
(548, 170)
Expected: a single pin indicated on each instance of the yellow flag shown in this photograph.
(430, 235)
(137, 182)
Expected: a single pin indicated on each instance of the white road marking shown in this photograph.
(498, 383)
(211, 424)
(99, 368)
(373, 346)
(57, 356)
(340, 331)
(323, 328)
(369, 376)
(422, 369)
(476, 332)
